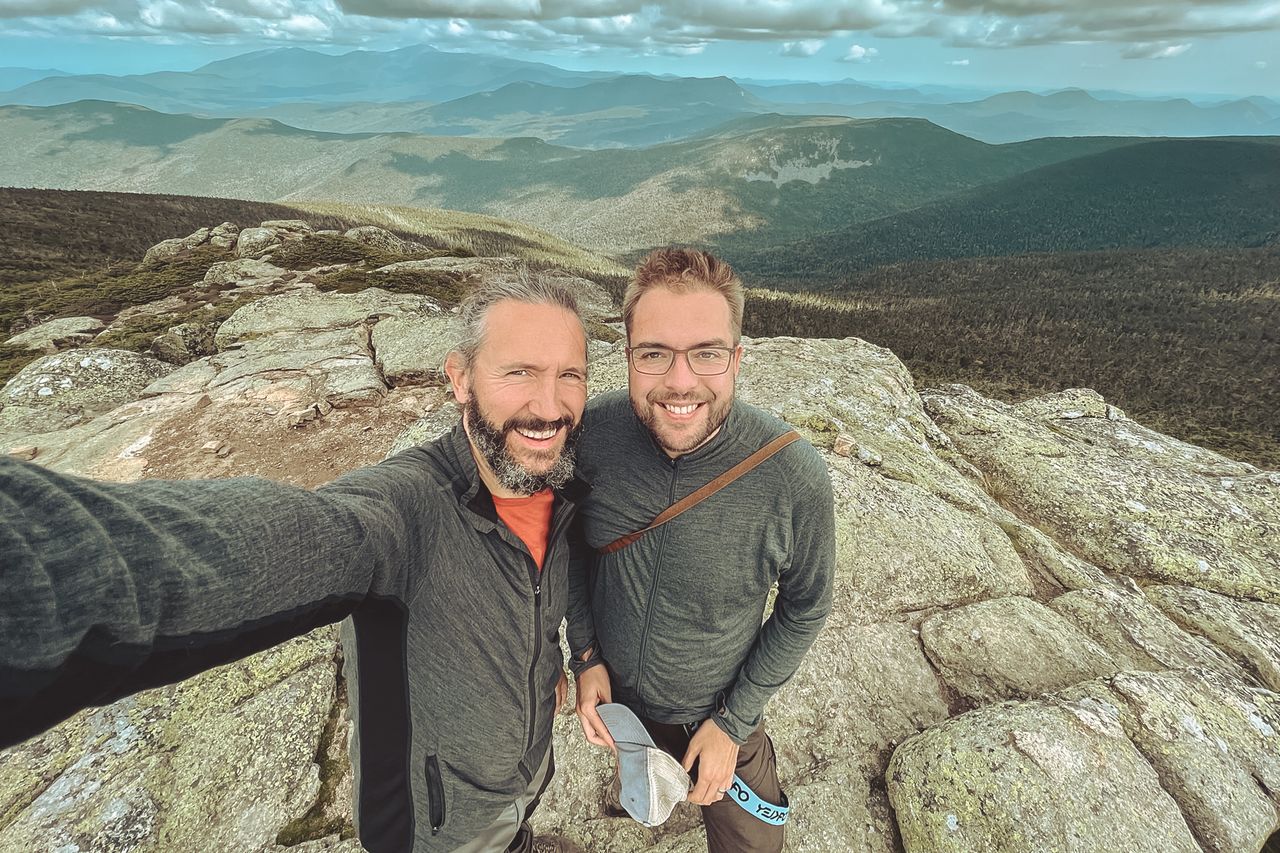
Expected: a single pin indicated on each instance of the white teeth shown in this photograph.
(679, 410)
(540, 435)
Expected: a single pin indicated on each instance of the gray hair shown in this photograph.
(524, 285)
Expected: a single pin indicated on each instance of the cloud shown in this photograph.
(44, 8)
(196, 20)
(958, 62)
(1143, 28)
(1154, 50)
(1260, 65)
(858, 53)
(805, 47)
(514, 9)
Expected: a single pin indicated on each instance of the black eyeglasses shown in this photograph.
(704, 361)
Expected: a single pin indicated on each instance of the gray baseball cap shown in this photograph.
(652, 781)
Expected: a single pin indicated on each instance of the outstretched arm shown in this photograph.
(111, 588)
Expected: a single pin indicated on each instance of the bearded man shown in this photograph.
(450, 559)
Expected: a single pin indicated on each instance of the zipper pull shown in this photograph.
(537, 589)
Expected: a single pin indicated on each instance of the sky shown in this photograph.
(1172, 47)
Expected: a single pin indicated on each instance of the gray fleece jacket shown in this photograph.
(454, 656)
(677, 614)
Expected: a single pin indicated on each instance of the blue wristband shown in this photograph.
(750, 801)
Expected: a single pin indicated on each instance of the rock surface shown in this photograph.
(72, 386)
(1010, 647)
(1032, 776)
(1052, 627)
(57, 334)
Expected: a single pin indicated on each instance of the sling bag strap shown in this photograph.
(705, 491)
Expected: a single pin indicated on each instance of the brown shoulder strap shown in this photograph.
(705, 491)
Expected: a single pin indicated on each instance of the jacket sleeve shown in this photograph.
(580, 630)
(111, 588)
(801, 607)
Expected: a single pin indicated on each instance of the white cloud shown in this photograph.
(805, 47)
(1154, 50)
(168, 15)
(1260, 65)
(300, 28)
(958, 62)
(858, 53)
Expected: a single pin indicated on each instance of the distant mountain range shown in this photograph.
(621, 163)
(423, 90)
(770, 178)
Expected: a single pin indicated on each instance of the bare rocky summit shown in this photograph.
(1054, 628)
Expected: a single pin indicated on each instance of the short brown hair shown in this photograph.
(681, 271)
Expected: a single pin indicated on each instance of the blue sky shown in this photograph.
(1219, 47)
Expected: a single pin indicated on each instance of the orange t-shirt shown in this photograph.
(530, 519)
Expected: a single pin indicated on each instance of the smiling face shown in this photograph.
(682, 409)
(523, 395)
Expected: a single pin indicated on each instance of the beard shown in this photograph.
(494, 447)
(677, 442)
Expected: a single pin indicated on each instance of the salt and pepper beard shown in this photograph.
(491, 442)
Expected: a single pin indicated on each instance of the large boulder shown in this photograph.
(411, 348)
(1123, 496)
(335, 366)
(1247, 630)
(214, 765)
(242, 272)
(256, 242)
(1044, 775)
(167, 249)
(307, 309)
(224, 236)
(1137, 635)
(59, 334)
(74, 385)
(184, 343)
(1215, 744)
(381, 238)
(1010, 647)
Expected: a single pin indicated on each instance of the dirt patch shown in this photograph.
(261, 443)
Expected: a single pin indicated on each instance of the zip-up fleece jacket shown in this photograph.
(453, 645)
(676, 615)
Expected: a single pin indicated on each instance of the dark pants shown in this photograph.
(730, 829)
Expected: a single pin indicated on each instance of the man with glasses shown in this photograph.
(670, 624)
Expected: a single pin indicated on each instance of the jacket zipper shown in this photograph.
(653, 583)
(435, 794)
(535, 577)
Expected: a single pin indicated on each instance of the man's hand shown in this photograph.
(593, 688)
(562, 690)
(717, 757)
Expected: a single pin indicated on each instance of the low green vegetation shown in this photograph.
(316, 250)
(1168, 193)
(55, 234)
(445, 287)
(475, 234)
(1185, 341)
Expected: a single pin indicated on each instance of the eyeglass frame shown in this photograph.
(685, 352)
